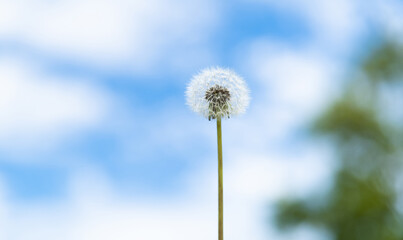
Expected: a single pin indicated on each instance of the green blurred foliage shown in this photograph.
(362, 201)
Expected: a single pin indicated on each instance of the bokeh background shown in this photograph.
(96, 141)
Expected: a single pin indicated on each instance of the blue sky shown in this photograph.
(95, 137)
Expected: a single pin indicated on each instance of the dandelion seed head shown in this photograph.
(217, 92)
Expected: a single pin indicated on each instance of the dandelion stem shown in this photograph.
(220, 183)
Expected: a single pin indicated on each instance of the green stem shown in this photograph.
(220, 183)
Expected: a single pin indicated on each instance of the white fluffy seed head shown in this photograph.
(217, 92)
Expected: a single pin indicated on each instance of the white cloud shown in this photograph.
(338, 23)
(271, 177)
(299, 80)
(334, 24)
(295, 85)
(135, 34)
(38, 111)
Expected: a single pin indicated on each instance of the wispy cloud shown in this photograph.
(135, 35)
(38, 111)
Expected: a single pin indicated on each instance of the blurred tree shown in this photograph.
(366, 128)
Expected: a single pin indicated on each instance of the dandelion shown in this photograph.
(217, 93)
